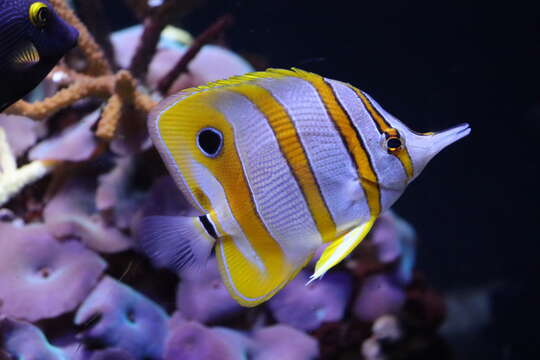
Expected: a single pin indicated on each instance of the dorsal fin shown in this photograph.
(250, 77)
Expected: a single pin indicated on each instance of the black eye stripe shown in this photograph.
(208, 226)
(210, 141)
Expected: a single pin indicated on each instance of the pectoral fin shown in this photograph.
(175, 241)
(250, 283)
(338, 249)
(24, 56)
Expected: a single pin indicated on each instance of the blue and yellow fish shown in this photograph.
(278, 164)
(33, 38)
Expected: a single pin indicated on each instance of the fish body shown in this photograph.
(33, 38)
(278, 164)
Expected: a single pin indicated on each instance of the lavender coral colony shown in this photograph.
(78, 173)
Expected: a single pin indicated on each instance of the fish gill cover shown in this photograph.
(75, 285)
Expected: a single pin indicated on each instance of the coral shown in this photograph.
(22, 340)
(112, 354)
(97, 64)
(41, 277)
(96, 176)
(72, 212)
(13, 179)
(116, 195)
(192, 341)
(123, 318)
(21, 132)
(202, 68)
(119, 89)
(203, 297)
(389, 248)
(284, 343)
(378, 295)
(166, 82)
(306, 307)
(75, 143)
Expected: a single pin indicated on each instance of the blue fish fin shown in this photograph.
(175, 241)
(340, 248)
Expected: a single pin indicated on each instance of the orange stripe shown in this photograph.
(178, 127)
(351, 138)
(293, 151)
(384, 127)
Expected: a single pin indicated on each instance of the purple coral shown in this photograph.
(284, 343)
(192, 341)
(202, 68)
(75, 143)
(379, 295)
(112, 354)
(21, 132)
(116, 194)
(124, 319)
(72, 212)
(203, 297)
(41, 277)
(25, 341)
(306, 307)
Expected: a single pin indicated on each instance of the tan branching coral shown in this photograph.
(119, 91)
(98, 81)
(97, 62)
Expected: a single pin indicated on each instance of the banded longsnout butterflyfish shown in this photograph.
(277, 164)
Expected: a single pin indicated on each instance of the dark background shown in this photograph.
(434, 64)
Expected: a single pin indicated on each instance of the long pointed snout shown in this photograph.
(442, 139)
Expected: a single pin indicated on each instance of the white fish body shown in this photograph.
(279, 163)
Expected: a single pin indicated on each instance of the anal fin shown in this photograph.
(340, 248)
(246, 282)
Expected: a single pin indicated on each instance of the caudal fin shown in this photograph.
(174, 241)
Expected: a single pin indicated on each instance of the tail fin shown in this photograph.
(175, 241)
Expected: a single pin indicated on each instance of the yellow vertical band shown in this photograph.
(178, 127)
(293, 151)
(384, 127)
(349, 134)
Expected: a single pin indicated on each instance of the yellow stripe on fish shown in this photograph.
(277, 163)
(352, 139)
(290, 145)
(402, 154)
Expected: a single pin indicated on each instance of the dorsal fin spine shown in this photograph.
(270, 73)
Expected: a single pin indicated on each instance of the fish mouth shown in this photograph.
(444, 138)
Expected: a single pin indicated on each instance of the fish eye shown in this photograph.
(39, 14)
(393, 143)
(210, 141)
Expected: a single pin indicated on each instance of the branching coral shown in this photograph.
(13, 179)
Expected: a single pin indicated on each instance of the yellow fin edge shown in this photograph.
(270, 73)
(340, 248)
